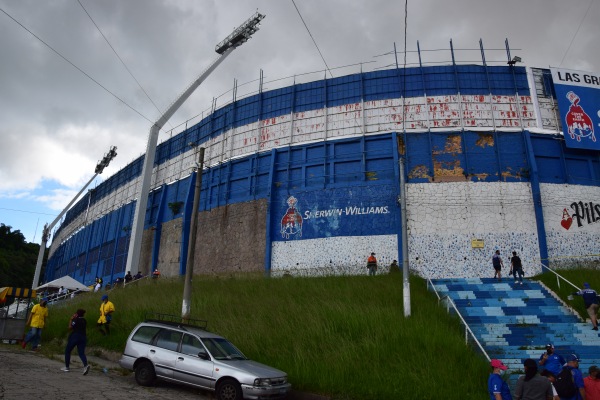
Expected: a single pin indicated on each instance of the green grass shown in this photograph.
(576, 277)
(343, 337)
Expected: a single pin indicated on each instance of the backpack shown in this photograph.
(565, 384)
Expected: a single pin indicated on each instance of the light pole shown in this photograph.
(112, 153)
(238, 37)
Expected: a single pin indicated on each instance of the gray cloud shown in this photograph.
(57, 123)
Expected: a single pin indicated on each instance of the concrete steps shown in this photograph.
(514, 322)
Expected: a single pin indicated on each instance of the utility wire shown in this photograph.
(28, 212)
(313, 39)
(576, 32)
(76, 67)
(120, 59)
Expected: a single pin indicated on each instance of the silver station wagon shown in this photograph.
(163, 348)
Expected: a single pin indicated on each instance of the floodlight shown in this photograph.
(241, 34)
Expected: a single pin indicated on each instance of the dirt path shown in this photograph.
(28, 375)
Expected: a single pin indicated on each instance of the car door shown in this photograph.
(164, 352)
(193, 364)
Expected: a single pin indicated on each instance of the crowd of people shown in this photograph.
(560, 379)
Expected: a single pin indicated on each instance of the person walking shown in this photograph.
(592, 384)
(497, 387)
(498, 264)
(106, 310)
(36, 321)
(372, 264)
(532, 386)
(551, 361)
(516, 267)
(77, 338)
(590, 299)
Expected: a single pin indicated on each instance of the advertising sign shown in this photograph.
(578, 96)
(334, 212)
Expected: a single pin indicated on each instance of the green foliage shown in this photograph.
(17, 258)
(345, 337)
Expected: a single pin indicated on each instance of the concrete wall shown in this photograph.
(170, 248)
(443, 218)
(231, 239)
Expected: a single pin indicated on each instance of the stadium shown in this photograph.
(307, 179)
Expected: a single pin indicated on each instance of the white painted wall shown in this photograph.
(342, 255)
(443, 218)
(570, 245)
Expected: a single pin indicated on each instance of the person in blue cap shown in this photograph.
(590, 299)
(573, 366)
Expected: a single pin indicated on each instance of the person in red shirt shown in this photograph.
(592, 384)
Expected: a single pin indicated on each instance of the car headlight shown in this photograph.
(262, 382)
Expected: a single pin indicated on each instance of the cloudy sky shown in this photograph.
(57, 122)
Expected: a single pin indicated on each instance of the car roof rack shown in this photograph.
(174, 320)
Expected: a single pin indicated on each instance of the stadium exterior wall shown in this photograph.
(304, 180)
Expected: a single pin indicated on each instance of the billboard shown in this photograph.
(578, 96)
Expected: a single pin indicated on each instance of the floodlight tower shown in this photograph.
(112, 153)
(238, 37)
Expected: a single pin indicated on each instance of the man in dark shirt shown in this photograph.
(516, 267)
(77, 337)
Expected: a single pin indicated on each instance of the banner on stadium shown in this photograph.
(578, 95)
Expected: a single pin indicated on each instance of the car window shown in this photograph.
(222, 349)
(191, 345)
(168, 339)
(145, 334)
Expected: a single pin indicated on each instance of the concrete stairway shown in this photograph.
(515, 322)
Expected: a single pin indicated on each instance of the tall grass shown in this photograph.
(344, 337)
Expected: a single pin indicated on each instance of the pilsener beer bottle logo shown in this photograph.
(291, 223)
(579, 124)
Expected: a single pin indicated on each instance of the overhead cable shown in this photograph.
(313, 39)
(120, 59)
(76, 67)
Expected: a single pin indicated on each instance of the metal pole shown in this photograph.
(135, 245)
(189, 266)
(405, 270)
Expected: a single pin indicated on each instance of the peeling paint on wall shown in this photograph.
(485, 140)
(419, 171)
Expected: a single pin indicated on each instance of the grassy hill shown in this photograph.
(344, 337)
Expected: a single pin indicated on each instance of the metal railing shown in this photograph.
(559, 277)
(449, 302)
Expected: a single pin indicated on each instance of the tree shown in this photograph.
(17, 258)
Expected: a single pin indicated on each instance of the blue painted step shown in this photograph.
(514, 322)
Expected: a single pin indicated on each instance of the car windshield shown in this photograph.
(222, 349)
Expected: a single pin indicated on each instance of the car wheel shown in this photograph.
(144, 374)
(229, 389)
